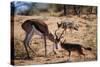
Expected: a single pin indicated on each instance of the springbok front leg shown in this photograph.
(45, 45)
(54, 50)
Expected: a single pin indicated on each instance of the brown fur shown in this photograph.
(74, 47)
(40, 26)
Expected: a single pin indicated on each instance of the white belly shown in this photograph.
(36, 31)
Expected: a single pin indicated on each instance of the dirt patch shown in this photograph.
(86, 35)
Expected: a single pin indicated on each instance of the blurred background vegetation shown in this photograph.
(32, 8)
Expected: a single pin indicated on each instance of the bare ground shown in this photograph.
(86, 35)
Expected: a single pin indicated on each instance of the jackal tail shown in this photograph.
(87, 48)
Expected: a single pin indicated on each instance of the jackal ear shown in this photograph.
(64, 41)
(58, 24)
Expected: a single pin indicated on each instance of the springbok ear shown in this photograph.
(51, 36)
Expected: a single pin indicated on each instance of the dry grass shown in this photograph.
(85, 36)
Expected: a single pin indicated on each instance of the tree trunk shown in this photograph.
(77, 10)
(65, 13)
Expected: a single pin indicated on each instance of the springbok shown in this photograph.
(74, 47)
(39, 27)
(67, 25)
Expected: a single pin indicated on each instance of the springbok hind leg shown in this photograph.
(26, 42)
(29, 39)
(25, 45)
